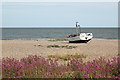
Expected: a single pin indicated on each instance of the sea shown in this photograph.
(35, 33)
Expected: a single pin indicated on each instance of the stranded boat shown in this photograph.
(79, 37)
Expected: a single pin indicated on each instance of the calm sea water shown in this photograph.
(31, 33)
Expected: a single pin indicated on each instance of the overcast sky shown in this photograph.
(59, 14)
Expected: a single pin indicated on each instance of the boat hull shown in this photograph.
(80, 41)
(82, 38)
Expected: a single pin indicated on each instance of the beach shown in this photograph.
(19, 48)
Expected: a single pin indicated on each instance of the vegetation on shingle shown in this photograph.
(61, 46)
(35, 66)
(66, 57)
(58, 40)
(38, 45)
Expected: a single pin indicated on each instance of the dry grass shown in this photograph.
(66, 57)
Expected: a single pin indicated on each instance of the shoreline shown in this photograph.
(52, 38)
(19, 48)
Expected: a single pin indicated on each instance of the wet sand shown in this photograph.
(17, 48)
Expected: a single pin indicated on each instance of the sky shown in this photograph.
(59, 14)
(60, 0)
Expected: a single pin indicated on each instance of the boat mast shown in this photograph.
(77, 28)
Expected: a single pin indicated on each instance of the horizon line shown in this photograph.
(55, 26)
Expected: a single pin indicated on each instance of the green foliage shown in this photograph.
(35, 66)
(58, 40)
(58, 46)
(38, 45)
